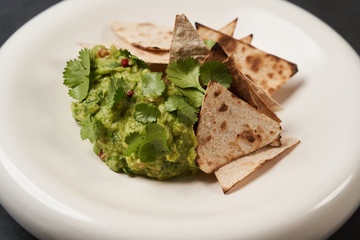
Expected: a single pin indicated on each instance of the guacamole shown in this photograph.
(124, 109)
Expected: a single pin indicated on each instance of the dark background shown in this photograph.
(341, 15)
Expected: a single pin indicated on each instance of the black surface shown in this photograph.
(343, 16)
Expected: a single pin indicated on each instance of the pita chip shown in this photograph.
(242, 86)
(266, 70)
(237, 170)
(186, 42)
(248, 39)
(229, 128)
(147, 36)
(229, 28)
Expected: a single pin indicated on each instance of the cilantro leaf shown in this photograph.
(153, 85)
(145, 113)
(150, 146)
(185, 73)
(134, 140)
(116, 90)
(84, 56)
(149, 152)
(217, 71)
(209, 43)
(76, 75)
(91, 129)
(194, 96)
(186, 113)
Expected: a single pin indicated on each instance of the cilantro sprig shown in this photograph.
(116, 90)
(185, 73)
(153, 85)
(76, 75)
(186, 113)
(145, 113)
(217, 71)
(91, 129)
(149, 146)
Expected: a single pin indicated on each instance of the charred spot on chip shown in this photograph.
(209, 163)
(271, 90)
(223, 108)
(270, 75)
(208, 138)
(253, 62)
(217, 93)
(248, 135)
(223, 126)
(227, 43)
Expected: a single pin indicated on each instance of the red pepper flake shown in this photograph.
(103, 52)
(125, 62)
(101, 155)
(130, 93)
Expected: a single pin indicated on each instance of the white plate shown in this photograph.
(53, 184)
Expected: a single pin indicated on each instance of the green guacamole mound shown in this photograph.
(112, 115)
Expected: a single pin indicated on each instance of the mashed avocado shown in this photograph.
(125, 110)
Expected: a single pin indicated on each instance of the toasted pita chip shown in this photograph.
(229, 128)
(157, 61)
(243, 87)
(147, 36)
(271, 103)
(186, 42)
(237, 170)
(266, 70)
(248, 39)
(229, 28)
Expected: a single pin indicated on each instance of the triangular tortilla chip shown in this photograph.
(186, 42)
(242, 86)
(248, 39)
(266, 70)
(147, 36)
(229, 28)
(237, 170)
(271, 103)
(229, 128)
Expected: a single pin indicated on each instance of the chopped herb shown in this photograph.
(153, 85)
(185, 73)
(217, 71)
(91, 129)
(76, 75)
(186, 113)
(116, 90)
(145, 113)
(150, 146)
